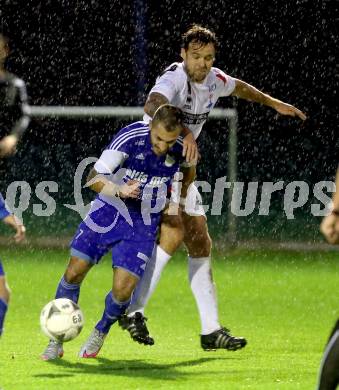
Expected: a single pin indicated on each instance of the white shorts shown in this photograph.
(193, 202)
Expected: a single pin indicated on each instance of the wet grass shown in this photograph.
(283, 302)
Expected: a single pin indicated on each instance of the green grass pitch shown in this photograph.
(284, 303)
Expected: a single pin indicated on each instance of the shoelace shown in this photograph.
(223, 339)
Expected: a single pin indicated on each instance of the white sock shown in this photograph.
(149, 281)
(203, 289)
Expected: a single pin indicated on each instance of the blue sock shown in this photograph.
(3, 309)
(68, 290)
(113, 310)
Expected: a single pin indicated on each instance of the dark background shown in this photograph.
(110, 52)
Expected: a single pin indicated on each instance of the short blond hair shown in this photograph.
(169, 116)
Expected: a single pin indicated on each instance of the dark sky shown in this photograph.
(110, 52)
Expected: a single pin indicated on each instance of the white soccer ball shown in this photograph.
(61, 320)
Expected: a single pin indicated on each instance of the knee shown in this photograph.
(7, 295)
(76, 271)
(206, 247)
(172, 227)
(5, 292)
(73, 276)
(122, 290)
(199, 246)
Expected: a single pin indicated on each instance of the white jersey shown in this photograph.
(196, 100)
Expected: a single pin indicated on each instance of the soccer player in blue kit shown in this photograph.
(150, 154)
(9, 219)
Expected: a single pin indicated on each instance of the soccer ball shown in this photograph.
(61, 320)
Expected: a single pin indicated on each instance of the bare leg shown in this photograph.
(4, 299)
(77, 270)
(69, 285)
(5, 292)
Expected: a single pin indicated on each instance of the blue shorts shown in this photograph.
(131, 246)
(2, 272)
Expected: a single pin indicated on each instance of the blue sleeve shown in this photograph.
(4, 212)
(125, 139)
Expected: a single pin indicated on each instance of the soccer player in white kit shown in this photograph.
(194, 86)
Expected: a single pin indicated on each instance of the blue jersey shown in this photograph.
(105, 227)
(155, 173)
(4, 212)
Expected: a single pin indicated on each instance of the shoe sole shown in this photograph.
(90, 355)
(207, 349)
(143, 341)
(148, 341)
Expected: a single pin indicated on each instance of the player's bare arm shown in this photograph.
(100, 184)
(190, 147)
(330, 224)
(246, 91)
(153, 102)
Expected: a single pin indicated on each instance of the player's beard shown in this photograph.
(199, 76)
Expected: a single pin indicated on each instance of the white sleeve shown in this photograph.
(166, 84)
(225, 82)
(20, 84)
(109, 161)
(230, 86)
(146, 118)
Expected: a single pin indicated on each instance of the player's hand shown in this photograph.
(20, 233)
(15, 223)
(330, 228)
(288, 109)
(8, 146)
(130, 189)
(190, 149)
